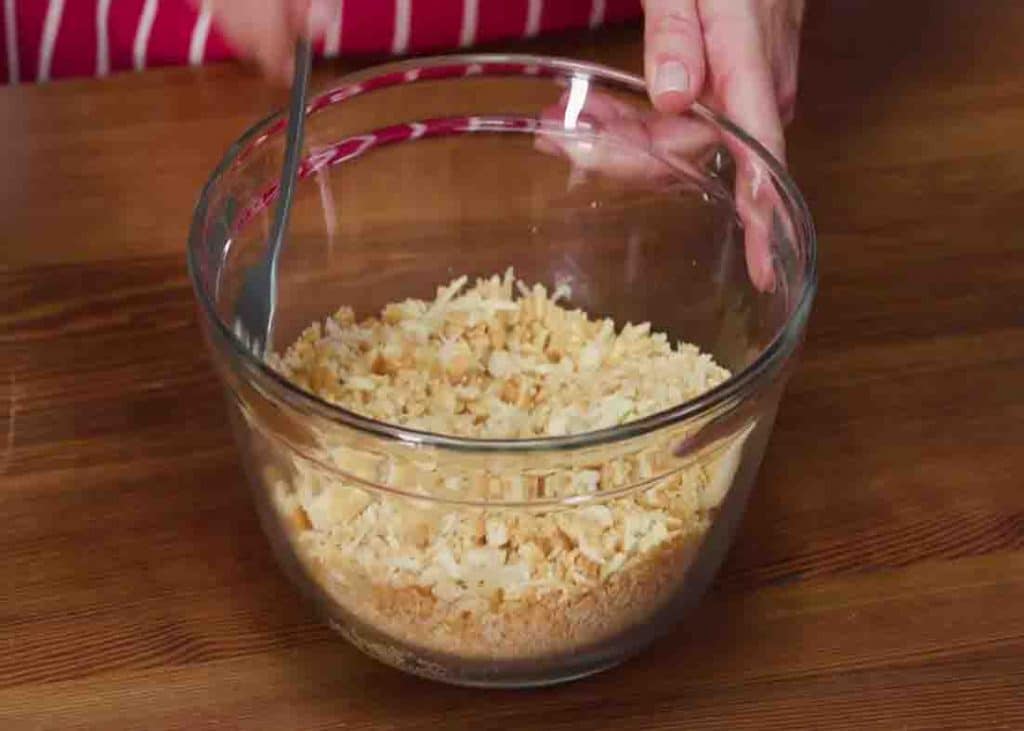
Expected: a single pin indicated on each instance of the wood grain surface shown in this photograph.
(878, 581)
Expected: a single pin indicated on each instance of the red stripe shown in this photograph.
(436, 25)
(557, 16)
(74, 52)
(499, 19)
(122, 24)
(368, 27)
(217, 47)
(30, 18)
(172, 33)
(4, 71)
(617, 11)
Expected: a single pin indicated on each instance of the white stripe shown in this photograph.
(470, 16)
(51, 27)
(332, 41)
(142, 32)
(533, 14)
(200, 32)
(102, 38)
(10, 24)
(577, 97)
(403, 23)
(596, 13)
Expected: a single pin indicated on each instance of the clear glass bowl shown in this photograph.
(419, 172)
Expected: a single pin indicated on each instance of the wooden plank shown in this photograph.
(905, 648)
(878, 580)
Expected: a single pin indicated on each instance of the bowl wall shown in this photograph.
(421, 172)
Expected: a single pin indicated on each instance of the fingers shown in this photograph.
(741, 78)
(265, 30)
(619, 137)
(673, 53)
(615, 140)
(742, 83)
(683, 141)
(755, 210)
(321, 15)
(598, 106)
(259, 29)
(784, 53)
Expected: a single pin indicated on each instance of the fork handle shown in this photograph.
(292, 156)
(293, 144)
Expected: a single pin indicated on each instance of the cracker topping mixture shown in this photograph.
(500, 359)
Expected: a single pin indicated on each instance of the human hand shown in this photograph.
(738, 57)
(265, 30)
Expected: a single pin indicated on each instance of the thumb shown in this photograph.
(673, 54)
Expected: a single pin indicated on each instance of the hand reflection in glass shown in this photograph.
(739, 58)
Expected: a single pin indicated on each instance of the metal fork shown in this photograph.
(254, 309)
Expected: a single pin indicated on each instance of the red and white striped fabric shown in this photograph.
(48, 39)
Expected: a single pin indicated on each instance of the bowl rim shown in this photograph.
(731, 391)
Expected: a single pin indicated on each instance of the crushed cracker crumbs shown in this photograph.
(499, 360)
(485, 363)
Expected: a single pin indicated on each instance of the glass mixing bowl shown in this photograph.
(508, 562)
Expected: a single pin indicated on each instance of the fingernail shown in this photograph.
(671, 76)
(758, 178)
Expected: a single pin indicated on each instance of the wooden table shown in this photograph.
(879, 578)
